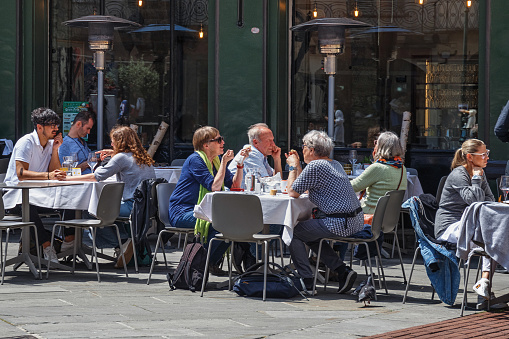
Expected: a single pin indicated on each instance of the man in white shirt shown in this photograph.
(35, 157)
(262, 145)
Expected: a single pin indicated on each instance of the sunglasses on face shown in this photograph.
(219, 140)
(483, 155)
(53, 126)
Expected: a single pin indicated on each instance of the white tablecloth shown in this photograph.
(280, 209)
(75, 197)
(172, 174)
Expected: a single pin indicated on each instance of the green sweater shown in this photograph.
(378, 179)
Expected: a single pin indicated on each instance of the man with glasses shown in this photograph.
(35, 157)
(261, 141)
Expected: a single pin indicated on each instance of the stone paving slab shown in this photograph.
(77, 306)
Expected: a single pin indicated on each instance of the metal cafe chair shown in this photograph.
(108, 209)
(376, 227)
(7, 225)
(164, 191)
(229, 212)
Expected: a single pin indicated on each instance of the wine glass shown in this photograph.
(352, 157)
(504, 185)
(92, 160)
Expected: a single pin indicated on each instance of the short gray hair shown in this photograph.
(320, 141)
(255, 130)
(388, 146)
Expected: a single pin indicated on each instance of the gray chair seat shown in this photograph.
(108, 209)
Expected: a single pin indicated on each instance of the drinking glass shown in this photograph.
(504, 185)
(67, 164)
(74, 160)
(352, 157)
(92, 160)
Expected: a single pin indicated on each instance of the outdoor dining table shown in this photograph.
(170, 173)
(279, 209)
(23, 198)
(54, 194)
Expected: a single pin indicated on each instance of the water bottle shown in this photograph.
(249, 181)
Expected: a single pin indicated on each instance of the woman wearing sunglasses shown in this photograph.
(465, 185)
(203, 171)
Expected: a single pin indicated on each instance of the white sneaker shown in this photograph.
(50, 254)
(66, 246)
(481, 287)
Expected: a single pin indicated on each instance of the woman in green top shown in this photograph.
(387, 173)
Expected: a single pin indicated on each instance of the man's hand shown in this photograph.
(292, 158)
(57, 141)
(276, 153)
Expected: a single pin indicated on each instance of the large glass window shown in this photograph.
(420, 56)
(139, 72)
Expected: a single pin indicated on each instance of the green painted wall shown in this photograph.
(499, 73)
(240, 68)
(7, 68)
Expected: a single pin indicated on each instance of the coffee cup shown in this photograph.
(273, 192)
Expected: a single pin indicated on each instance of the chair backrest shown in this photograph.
(237, 216)
(178, 162)
(412, 171)
(392, 210)
(2, 210)
(378, 216)
(108, 206)
(164, 191)
(4, 164)
(441, 188)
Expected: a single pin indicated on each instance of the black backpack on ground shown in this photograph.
(191, 268)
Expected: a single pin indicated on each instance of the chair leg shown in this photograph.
(51, 244)
(155, 253)
(5, 256)
(417, 250)
(134, 247)
(230, 266)
(265, 266)
(464, 299)
(401, 260)
(281, 252)
(122, 253)
(205, 274)
(381, 267)
(317, 265)
(38, 249)
(94, 253)
(370, 266)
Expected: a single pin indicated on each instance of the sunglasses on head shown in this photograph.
(219, 139)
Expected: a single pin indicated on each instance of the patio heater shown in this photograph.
(331, 41)
(100, 40)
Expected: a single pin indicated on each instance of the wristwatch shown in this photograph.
(292, 168)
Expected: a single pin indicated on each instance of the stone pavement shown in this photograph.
(77, 306)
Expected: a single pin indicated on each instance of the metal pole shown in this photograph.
(100, 108)
(330, 114)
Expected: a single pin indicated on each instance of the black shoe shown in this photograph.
(347, 280)
(217, 271)
(248, 261)
(308, 284)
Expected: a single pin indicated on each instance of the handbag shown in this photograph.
(282, 282)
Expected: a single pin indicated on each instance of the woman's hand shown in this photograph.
(477, 171)
(292, 158)
(227, 156)
(57, 175)
(105, 153)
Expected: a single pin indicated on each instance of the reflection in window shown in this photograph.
(418, 58)
(139, 71)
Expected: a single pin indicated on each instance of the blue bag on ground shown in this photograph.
(281, 282)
